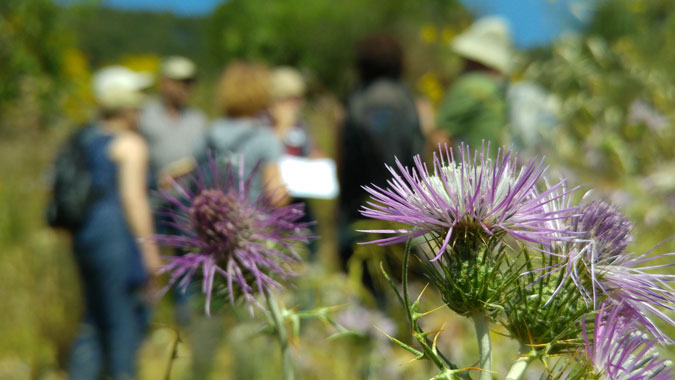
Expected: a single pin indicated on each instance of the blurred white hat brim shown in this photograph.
(178, 68)
(487, 41)
(119, 87)
(121, 100)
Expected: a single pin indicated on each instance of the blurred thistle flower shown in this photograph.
(249, 244)
(600, 268)
(602, 234)
(474, 194)
(620, 350)
(606, 227)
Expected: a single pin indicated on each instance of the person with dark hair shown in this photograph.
(379, 56)
(381, 124)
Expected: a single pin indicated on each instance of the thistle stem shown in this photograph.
(482, 324)
(520, 366)
(279, 326)
(174, 355)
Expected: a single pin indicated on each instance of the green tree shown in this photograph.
(315, 35)
(33, 38)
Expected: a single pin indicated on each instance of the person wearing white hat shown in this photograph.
(487, 41)
(474, 108)
(114, 266)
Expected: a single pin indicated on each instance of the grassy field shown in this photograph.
(41, 296)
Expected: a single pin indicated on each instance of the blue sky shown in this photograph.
(534, 22)
(182, 7)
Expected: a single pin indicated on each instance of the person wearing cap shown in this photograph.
(172, 128)
(111, 248)
(288, 97)
(474, 108)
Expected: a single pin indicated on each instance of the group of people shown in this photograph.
(144, 143)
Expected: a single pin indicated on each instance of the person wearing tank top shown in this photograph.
(114, 265)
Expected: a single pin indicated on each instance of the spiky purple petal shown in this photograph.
(626, 279)
(620, 350)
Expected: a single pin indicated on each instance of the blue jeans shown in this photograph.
(181, 299)
(115, 321)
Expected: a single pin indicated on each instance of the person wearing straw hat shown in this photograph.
(112, 249)
(474, 108)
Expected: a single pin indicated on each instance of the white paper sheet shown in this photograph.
(309, 177)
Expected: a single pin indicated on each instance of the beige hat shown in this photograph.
(488, 41)
(178, 68)
(287, 82)
(118, 87)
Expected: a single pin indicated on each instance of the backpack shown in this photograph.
(72, 188)
(382, 123)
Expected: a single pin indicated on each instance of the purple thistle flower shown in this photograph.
(473, 192)
(598, 264)
(249, 244)
(601, 235)
(606, 227)
(620, 350)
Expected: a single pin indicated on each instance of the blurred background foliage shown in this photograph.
(616, 89)
(614, 83)
(279, 32)
(34, 38)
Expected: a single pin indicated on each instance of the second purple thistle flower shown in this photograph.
(246, 243)
(468, 191)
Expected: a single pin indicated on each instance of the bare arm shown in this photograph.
(274, 186)
(130, 152)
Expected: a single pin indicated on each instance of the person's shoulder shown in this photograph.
(149, 116)
(477, 80)
(386, 86)
(223, 130)
(224, 122)
(223, 126)
(265, 136)
(382, 92)
(152, 106)
(478, 85)
(127, 144)
(196, 114)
